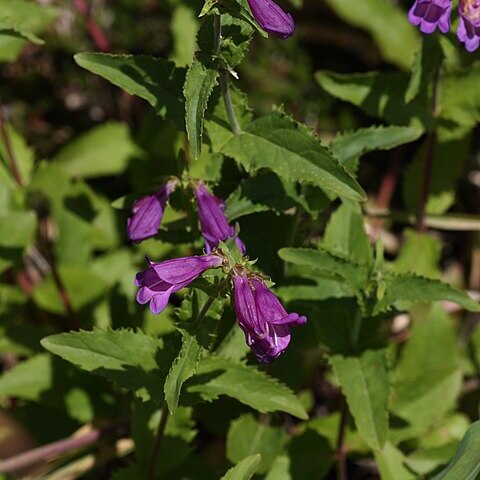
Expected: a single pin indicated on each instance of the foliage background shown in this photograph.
(389, 397)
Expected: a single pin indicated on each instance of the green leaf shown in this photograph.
(156, 80)
(219, 376)
(129, 359)
(408, 259)
(391, 464)
(82, 285)
(349, 146)
(176, 442)
(20, 21)
(217, 124)
(183, 368)
(466, 463)
(260, 194)
(278, 143)
(388, 25)
(380, 95)
(247, 436)
(201, 79)
(365, 383)
(105, 150)
(19, 237)
(444, 177)
(427, 60)
(353, 274)
(427, 380)
(459, 98)
(412, 288)
(53, 382)
(244, 470)
(345, 234)
(184, 28)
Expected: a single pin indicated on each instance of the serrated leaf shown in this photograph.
(244, 470)
(201, 79)
(104, 150)
(349, 146)
(388, 25)
(9, 28)
(380, 95)
(183, 368)
(219, 376)
(156, 80)
(247, 436)
(278, 143)
(129, 359)
(412, 288)
(466, 463)
(366, 385)
(353, 274)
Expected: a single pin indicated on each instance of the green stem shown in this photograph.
(157, 442)
(224, 85)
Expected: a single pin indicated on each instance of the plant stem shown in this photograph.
(428, 161)
(157, 442)
(73, 322)
(9, 150)
(36, 455)
(224, 85)
(98, 36)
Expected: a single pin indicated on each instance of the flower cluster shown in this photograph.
(432, 14)
(147, 215)
(260, 314)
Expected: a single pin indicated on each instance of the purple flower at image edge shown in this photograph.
(430, 14)
(468, 31)
(160, 280)
(213, 221)
(262, 318)
(147, 213)
(272, 18)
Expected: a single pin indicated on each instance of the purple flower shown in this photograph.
(468, 31)
(430, 14)
(272, 18)
(262, 317)
(162, 279)
(147, 213)
(213, 221)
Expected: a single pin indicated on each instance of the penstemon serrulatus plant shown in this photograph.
(223, 288)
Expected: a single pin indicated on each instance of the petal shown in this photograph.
(160, 301)
(272, 18)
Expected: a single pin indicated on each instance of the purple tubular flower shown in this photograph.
(262, 318)
(213, 221)
(430, 14)
(162, 279)
(272, 18)
(468, 31)
(147, 213)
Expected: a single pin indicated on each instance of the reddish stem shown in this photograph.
(96, 33)
(9, 150)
